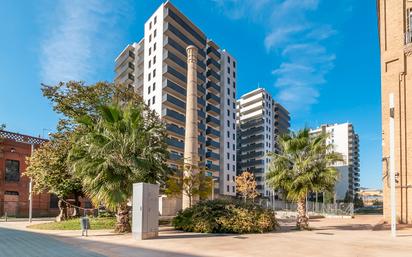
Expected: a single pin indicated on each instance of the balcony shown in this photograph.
(212, 121)
(252, 147)
(167, 113)
(175, 156)
(212, 144)
(211, 50)
(212, 109)
(211, 61)
(175, 129)
(213, 87)
(252, 163)
(212, 132)
(252, 139)
(252, 131)
(211, 74)
(252, 155)
(213, 98)
(213, 167)
(174, 143)
(212, 155)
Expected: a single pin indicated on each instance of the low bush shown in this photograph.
(225, 216)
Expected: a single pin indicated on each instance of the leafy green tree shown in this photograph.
(303, 165)
(125, 145)
(50, 173)
(196, 185)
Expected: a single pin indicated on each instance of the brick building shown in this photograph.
(395, 36)
(14, 186)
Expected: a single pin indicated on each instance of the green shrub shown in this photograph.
(224, 216)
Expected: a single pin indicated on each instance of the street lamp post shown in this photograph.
(392, 162)
(213, 188)
(31, 191)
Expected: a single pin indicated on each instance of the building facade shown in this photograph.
(346, 142)
(260, 119)
(14, 188)
(156, 67)
(395, 36)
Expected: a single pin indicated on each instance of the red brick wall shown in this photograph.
(12, 150)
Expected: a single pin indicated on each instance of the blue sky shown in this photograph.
(319, 58)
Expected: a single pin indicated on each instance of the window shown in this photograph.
(228, 70)
(233, 168)
(228, 80)
(148, 102)
(150, 38)
(150, 64)
(234, 64)
(228, 144)
(233, 126)
(54, 200)
(234, 95)
(12, 171)
(234, 157)
(233, 189)
(227, 166)
(234, 105)
(234, 136)
(150, 25)
(153, 100)
(227, 177)
(228, 156)
(11, 193)
(149, 76)
(234, 115)
(408, 34)
(234, 84)
(228, 59)
(228, 101)
(228, 134)
(154, 86)
(228, 124)
(234, 74)
(228, 113)
(234, 147)
(154, 73)
(150, 50)
(154, 47)
(148, 90)
(154, 33)
(228, 91)
(227, 188)
(155, 20)
(154, 59)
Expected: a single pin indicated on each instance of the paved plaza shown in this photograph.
(329, 237)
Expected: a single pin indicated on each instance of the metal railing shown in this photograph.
(313, 208)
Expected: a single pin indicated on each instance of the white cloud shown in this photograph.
(77, 37)
(296, 40)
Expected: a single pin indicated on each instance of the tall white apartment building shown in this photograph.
(260, 119)
(346, 142)
(156, 67)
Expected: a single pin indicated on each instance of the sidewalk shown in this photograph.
(329, 238)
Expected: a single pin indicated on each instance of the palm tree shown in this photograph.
(125, 146)
(303, 165)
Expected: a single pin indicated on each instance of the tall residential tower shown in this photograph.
(260, 119)
(346, 142)
(156, 67)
